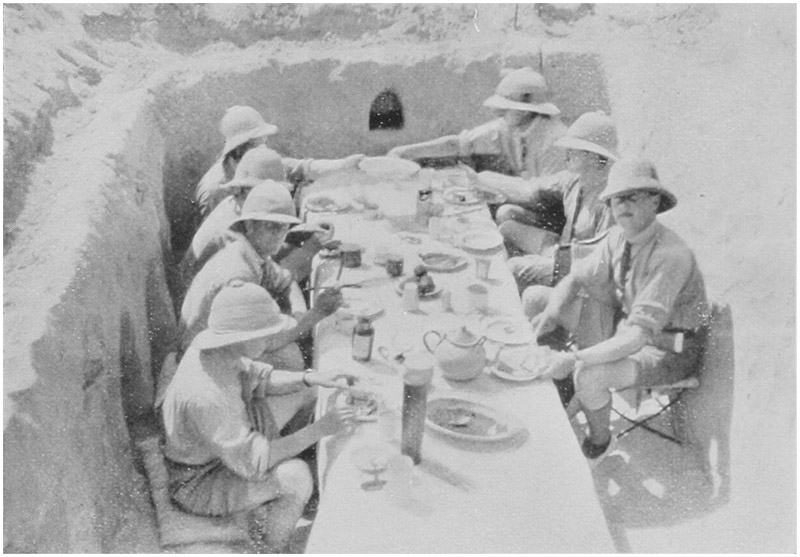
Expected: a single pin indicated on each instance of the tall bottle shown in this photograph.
(415, 402)
(363, 337)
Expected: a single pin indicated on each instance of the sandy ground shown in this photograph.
(708, 92)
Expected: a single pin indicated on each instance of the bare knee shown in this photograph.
(506, 213)
(294, 477)
(591, 386)
(534, 300)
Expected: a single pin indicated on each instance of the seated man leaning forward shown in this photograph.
(257, 166)
(222, 415)
(590, 144)
(519, 142)
(650, 276)
(243, 129)
(259, 233)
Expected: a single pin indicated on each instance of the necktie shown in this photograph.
(568, 232)
(625, 265)
(258, 412)
(524, 153)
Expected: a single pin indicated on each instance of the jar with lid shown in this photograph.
(363, 337)
(424, 205)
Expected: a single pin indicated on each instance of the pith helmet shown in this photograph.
(523, 89)
(241, 124)
(592, 131)
(241, 311)
(257, 165)
(630, 175)
(269, 201)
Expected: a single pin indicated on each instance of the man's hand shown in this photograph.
(328, 301)
(544, 323)
(561, 364)
(337, 419)
(533, 273)
(352, 161)
(396, 152)
(334, 380)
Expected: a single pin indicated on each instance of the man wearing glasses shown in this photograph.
(648, 278)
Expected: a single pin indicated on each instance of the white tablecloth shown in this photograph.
(531, 494)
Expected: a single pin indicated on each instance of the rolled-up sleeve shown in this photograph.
(667, 274)
(483, 140)
(276, 280)
(298, 171)
(230, 438)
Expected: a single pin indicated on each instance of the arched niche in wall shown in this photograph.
(386, 112)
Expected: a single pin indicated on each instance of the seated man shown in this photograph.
(259, 233)
(590, 144)
(222, 414)
(650, 276)
(244, 128)
(519, 142)
(257, 165)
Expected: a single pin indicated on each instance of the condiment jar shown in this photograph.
(363, 337)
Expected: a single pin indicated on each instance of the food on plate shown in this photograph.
(534, 362)
(364, 404)
(322, 204)
(442, 262)
(424, 281)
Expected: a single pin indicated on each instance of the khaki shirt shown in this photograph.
(205, 416)
(664, 289)
(592, 218)
(208, 194)
(238, 260)
(495, 138)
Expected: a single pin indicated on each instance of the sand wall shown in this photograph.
(321, 102)
(88, 315)
(86, 308)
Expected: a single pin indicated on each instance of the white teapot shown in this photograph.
(459, 353)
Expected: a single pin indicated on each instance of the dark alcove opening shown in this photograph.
(386, 112)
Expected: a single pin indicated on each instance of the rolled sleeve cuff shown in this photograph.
(650, 316)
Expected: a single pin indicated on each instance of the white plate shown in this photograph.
(461, 196)
(443, 262)
(521, 363)
(388, 167)
(482, 240)
(354, 309)
(366, 410)
(509, 331)
(519, 375)
(324, 204)
(467, 420)
(436, 291)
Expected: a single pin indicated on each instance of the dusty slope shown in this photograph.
(708, 92)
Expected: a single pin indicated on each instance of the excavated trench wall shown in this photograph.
(88, 314)
(321, 104)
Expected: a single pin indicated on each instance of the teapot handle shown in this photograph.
(425, 340)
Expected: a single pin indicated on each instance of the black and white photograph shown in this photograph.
(399, 278)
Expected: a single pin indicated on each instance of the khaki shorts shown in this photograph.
(212, 489)
(658, 367)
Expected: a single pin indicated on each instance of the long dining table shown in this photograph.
(530, 492)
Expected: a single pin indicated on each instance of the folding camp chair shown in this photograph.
(652, 402)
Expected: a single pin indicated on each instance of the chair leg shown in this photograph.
(643, 423)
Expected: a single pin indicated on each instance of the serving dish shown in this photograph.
(443, 262)
(468, 420)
